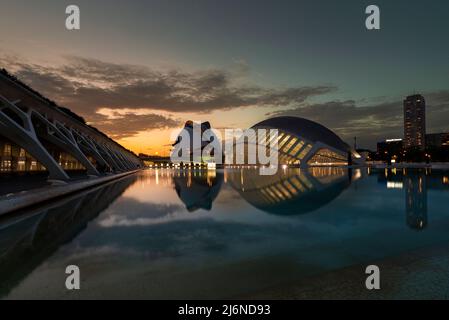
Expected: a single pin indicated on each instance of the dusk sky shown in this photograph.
(139, 69)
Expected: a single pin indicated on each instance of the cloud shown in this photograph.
(374, 122)
(89, 84)
(122, 125)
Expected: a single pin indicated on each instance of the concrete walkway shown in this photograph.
(24, 199)
(422, 274)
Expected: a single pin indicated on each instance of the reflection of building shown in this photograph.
(416, 200)
(197, 189)
(414, 122)
(304, 142)
(291, 191)
(415, 184)
(26, 242)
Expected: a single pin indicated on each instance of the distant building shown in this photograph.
(437, 140)
(154, 160)
(415, 122)
(390, 149)
(366, 154)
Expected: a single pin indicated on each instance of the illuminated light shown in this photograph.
(446, 180)
(284, 166)
(211, 165)
(394, 185)
(393, 140)
(357, 174)
(393, 161)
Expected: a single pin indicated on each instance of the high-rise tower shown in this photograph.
(415, 122)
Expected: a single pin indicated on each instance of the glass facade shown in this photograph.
(327, 157)
(14, 159)
(293, 150)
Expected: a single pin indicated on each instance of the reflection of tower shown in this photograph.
(197, 189)
(416, 200)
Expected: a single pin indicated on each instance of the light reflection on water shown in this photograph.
(219, 234)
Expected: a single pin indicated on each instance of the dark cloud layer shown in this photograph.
(130, 124)
(89, 84)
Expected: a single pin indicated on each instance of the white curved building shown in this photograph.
(306, 143)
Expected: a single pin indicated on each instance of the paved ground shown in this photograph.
(418, 275)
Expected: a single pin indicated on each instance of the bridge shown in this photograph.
(50, 134)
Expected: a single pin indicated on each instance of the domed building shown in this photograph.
(306, 143)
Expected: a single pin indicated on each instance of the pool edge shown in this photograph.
(23, 200)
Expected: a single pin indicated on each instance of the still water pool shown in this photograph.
(186, 234)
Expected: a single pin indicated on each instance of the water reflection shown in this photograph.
(246, 227)
(415, 184)
(416, 201)
(29, 239)
(197, 189)
(291, 191)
